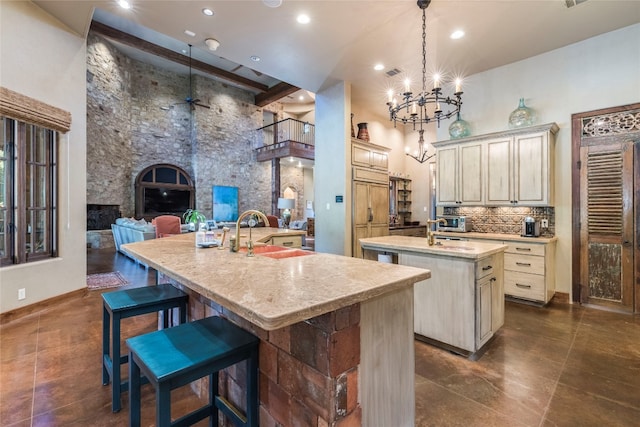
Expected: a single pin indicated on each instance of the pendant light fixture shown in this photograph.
(428, 105)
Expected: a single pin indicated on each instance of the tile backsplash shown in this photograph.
(504, 219)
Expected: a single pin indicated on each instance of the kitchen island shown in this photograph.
(463, 306)
(336, 332)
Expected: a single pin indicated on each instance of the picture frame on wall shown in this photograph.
(225, 203)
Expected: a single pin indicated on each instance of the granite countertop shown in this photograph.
(453, 248)
(273, 293)
(496, 236)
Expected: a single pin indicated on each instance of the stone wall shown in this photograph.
(136, 117)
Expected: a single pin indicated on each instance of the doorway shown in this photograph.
(605, 191)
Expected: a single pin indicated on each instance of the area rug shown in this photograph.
(105, 280)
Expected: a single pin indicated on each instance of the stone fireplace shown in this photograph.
(99, 220)
(100, 217)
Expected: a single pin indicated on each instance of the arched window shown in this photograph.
(163, 189)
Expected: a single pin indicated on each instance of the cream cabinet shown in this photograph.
(288, 241)
(529, 268)
(511, 168)
(459, 174)
(529, 271)
(370, 192)
(369, 155)
(520, 169)
(462, 305)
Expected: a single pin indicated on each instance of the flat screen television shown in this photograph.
(161, 201)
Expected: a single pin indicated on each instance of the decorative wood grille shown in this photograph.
(605, 201)
(611, 124)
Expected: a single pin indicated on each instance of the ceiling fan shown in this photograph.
(190, 99)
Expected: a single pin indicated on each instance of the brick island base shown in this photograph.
(350, 367)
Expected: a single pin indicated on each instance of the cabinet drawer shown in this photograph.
(288, 241)
(524, 285)
(524, 264)
(524, 248)
(484, 267)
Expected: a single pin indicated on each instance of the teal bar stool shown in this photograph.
(171, 358)
(119, 305)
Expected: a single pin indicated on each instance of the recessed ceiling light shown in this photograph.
(207, 11)
(124, 4)
(303, 19)
(378, 67)
(190, 33)
(301, 98)
(272, 3)
(255, 58)
(457, 34)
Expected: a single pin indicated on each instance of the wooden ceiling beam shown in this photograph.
(179, 58)
(275, 93)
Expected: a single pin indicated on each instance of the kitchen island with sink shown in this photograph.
(336, 332)
(463, 306)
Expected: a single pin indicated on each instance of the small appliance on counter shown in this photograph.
(461, 224)
(530, 227)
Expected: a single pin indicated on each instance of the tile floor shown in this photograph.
(558, 366)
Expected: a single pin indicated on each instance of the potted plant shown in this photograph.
(193, 218)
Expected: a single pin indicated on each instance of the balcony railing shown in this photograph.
(287, 138)
(288, 130)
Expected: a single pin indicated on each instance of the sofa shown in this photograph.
(129, 230)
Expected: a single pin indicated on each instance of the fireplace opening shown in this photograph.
(100, 217)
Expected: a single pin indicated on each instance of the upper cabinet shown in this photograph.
(512, 168)
(369, 155)
(459, 174)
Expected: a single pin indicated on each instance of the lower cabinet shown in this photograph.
(529, 269)
(417, 231)
(287, 241)
(462, 305)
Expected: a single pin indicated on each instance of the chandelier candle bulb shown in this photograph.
(407, 86)
(458, 86)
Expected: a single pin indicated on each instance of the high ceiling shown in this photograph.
(345, 38)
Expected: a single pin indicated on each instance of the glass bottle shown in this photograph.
(522, 116)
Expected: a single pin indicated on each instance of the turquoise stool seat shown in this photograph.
(171, 358)
(119, 305)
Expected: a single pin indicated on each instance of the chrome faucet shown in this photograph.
(430, 235)
(244, 214)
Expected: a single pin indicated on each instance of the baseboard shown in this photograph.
(561, 297)
(27, 310)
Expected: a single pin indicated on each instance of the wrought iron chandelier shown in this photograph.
(427, 106)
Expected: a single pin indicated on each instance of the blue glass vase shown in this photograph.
(522, 116)
(459, 129)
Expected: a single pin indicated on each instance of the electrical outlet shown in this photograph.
(544, 223)
(22, 293)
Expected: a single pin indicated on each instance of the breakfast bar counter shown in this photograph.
(336, 332)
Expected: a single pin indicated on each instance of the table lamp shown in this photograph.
(287, 205)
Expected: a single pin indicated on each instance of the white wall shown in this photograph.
(601, 72)
(42, 59)
(332, 173)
